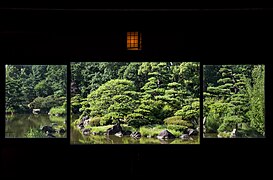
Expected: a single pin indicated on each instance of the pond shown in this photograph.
(211, 135)
(77, 138)
(18, 125)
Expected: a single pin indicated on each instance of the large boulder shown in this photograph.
(192, 132)
(119, 134)
(113, 130)
(86, 132)
(185, 137)
(62, 131)
(165, 134)
(48, 129)
(136, 135)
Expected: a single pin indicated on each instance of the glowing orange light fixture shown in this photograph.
(134, 41)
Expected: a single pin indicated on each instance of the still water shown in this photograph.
(77, 138)
(211, 135)
(18, 125)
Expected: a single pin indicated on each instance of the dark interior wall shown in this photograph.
(68, 34)
(72, 34)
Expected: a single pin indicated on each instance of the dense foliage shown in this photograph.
(234, 99)
(136, 93)
(35, 87)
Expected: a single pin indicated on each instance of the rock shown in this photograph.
(127, 133)
(62, 131)
(233, 133)
(165, 134)
(192, 132)
(115, 129)
(86, 132)
(81, 126)
(48, 129)
(36, 111)
(86, 122)
(85, 118)
(185, 137)
(136, 135)
(119, 134)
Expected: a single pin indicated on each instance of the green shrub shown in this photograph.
(56, 119)
(148, 131)
(10, 110)
(109, 118)
(212, 123)
(35, 133)
(177, 120)
(125, 127)
(249, 133)
(95, 121)
(137, 123)
(46, 103)
(216, 114)
(178, 128)
(175, 133)
(229, 123)
(58, 110)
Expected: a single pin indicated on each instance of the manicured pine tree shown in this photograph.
(131, 73)
(111, 101)
(152, 107)
(190, 80)
(231, 91)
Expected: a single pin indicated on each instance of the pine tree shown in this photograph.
(230, 92)
(255, 90)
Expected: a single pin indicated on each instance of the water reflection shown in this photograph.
(18, 125)
(78, 138)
